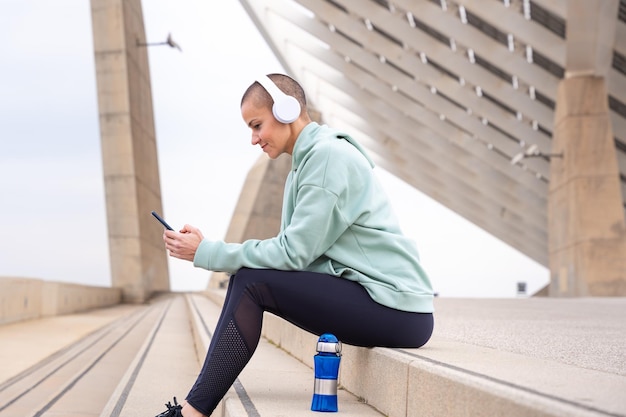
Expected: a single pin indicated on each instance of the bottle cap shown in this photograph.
(328, 343)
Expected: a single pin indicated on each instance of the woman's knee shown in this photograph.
(248, 281)
(243, 278)
(244, 274)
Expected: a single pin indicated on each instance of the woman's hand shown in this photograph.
(183, 244)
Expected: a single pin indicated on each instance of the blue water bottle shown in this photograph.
(326, 373)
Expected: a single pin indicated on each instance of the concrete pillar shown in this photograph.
(586, 227)
(131, 174)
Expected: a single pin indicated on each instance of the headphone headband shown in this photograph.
(286, 109)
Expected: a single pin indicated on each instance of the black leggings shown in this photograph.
(318, 303)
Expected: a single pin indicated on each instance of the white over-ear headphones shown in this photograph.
(286, 109)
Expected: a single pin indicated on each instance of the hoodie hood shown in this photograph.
(312, 133)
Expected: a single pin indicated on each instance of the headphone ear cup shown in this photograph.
(286, 109)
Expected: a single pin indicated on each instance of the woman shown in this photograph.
(339, 265)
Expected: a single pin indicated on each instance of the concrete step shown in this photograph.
(165, 365)
(519, 357)
(274, 383)
(487, 358)
(36, 339)
(135, 362)
(63, 382)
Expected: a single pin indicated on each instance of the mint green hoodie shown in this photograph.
(336, 220)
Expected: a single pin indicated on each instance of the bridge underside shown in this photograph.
(459, 99)
(511, 113)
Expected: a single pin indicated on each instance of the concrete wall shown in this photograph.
(24, 299)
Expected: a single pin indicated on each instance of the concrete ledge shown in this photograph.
(273, 383)
(516, 357)
(24, 298)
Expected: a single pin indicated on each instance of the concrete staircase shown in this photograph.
(90, 359)
(531, 357)
(139, 359)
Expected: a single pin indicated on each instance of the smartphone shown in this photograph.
(163, 222)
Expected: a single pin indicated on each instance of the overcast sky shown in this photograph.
(53, 221)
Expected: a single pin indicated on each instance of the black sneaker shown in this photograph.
(172, 410)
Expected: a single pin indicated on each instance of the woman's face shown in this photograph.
(271, 135)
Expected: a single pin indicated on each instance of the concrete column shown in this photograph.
(587, 232)
(131, 174)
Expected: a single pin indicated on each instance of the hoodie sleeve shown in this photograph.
(315, 225)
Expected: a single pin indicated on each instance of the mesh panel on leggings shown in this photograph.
(229, 357)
